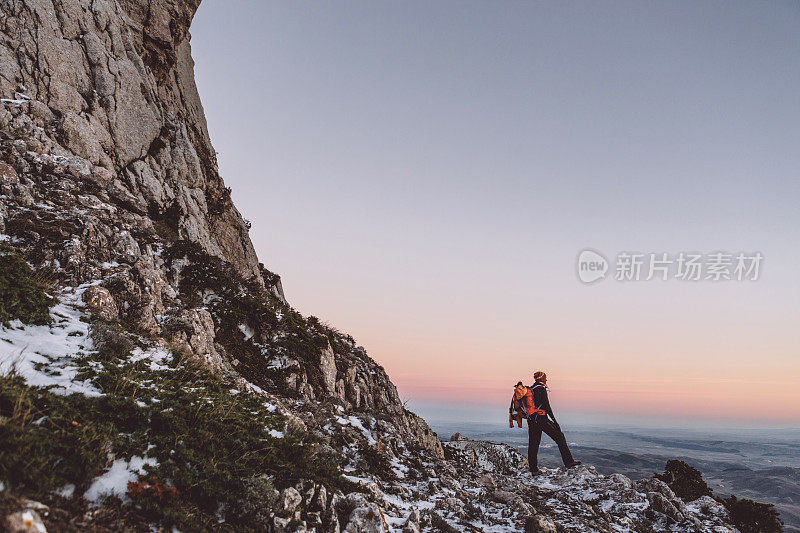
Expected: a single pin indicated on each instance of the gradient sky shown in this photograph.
(423, 174)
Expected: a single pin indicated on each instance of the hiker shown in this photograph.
(532, 404)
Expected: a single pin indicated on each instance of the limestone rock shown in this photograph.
(8, 178)
(541, 524)
(486, 456)
(662, 505)
(290, 499)
(327, 365)
(708, 506)
(25, 521)
(101, 302)
(412, 524)
(366, 519)
(120, 77)
(193, 331)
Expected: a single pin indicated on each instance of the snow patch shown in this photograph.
(115, 480)
(247, 331)
(44, 356)
(66, 491)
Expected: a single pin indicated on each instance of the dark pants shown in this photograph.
(535, 429)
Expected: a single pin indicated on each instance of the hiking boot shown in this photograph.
(573, 464)
(536, 472)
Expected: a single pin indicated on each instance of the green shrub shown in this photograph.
(209, 442)
(376, 462)
(42, 231)
(47, 442)
(233, 302)
(753, 517)
(258, 499)
(22, 297)
(684, 480)
(747, 515)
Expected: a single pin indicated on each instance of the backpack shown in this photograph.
(516, 411)
(536, 410)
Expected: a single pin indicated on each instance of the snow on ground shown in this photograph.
(356, 423)
(400, 470)
(247, 331)
(115, 480)
(45, 355)
(157, 356)
(66, 491)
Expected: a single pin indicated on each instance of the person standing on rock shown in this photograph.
(532, 403)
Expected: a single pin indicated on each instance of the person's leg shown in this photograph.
(534, 438)
(558, 437)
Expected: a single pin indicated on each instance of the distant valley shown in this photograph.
(760, 464)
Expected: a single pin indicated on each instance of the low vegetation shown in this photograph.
(246, 318)
(753, 517)
(23, 296)
(747, 515)
(376, 461)
(212, 452)
(685, 481)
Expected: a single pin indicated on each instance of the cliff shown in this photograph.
(171, 382)
(109, 174)
(113, 84)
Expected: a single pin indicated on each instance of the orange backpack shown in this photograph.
(517, 403)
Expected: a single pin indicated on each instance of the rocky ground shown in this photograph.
(154, 375)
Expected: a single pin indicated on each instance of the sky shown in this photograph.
(423, 176)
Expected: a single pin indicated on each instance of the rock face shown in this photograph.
(108, 177)
(487, 456)
(112, 83)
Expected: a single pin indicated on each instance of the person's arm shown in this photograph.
(548, 409)
(543, 402)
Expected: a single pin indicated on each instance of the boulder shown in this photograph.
(411, 525)
(101, 303)
(8, 178)
(540, 524)
(505, 497)
(193, 331)
(367, 519)
(327, 365)
(662, 505)
(486, 457)
(290, 499)
(25, 521)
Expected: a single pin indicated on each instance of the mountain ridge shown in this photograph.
(113, 206)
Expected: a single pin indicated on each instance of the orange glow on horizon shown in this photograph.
(745, 400)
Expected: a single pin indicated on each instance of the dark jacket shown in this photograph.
(540, 399)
